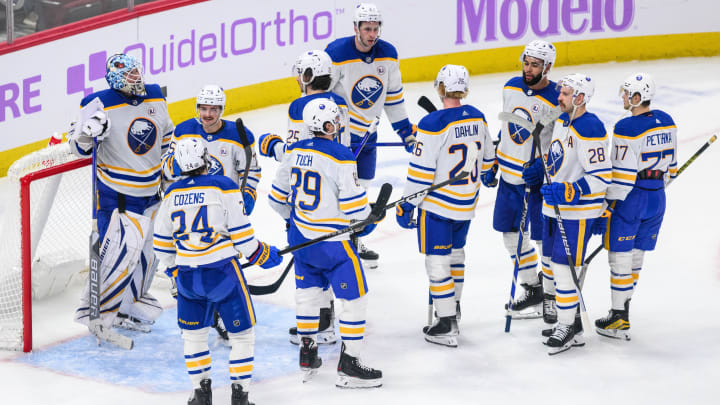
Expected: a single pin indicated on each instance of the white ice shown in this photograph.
(673, 354)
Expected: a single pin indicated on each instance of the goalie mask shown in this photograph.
(125, 74)
(190, 154)
(640, 83)
(210, 95)
(318, 62)
(581, 84)
(455, 78)
(319, 112)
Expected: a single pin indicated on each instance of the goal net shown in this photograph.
(45, 227)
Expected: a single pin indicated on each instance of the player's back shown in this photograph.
(444, 138)
(324, 191)
(652, 135)
(203, 229)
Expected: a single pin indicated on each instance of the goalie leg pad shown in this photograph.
(241, 357)
(352, 324)
(442, 286)
(621, 280)
(197, 354)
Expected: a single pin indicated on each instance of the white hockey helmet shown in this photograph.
(366, 12)
(121, 74)
(190, 154)
(317, 61)
(211, 94)
(641, 83)
(318, 112)
(580, 83)
(454, 78)
(542, 50)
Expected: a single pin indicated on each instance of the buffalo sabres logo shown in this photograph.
(141, 136)
(517, 133)
(555, 158)
(366, 92)
(215, 166)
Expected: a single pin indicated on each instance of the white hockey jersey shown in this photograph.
(226, 152)
(515, 147)
(369, 82)
(128, 158)
(201, 222)
(443, 139)
(647, 141)
(317, 186)
(579, 153)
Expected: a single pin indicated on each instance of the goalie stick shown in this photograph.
(692, 158)
(375, 215)
(551, 117)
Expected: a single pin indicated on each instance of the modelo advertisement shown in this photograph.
(236, 44)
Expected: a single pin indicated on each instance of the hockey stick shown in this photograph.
(426, 104)
(554, 114)
(692, 158)
(246, 149)
(375, 215)
(381, 144)
(566, 245)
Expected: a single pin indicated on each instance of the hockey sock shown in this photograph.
(352, 324)
(442, 285)
(566, 295)
(548, 276)
(457, 270)
(528, 257)
(637, 262)
(197, 354)
(621, 279)
(241, 357)
(307, 311)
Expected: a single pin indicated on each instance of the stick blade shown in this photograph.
(241, 132)
(426, 104)
(382, 199)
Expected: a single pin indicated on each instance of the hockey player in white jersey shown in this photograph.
(530, 96)
(444, 215)
(580, 171)
(368, 77)
(201, 229)
(226, 151)
(132, 128)
(313, 70)
(317, 191)
(644, 158)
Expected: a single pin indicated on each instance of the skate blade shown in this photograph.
(130, 325)
(370, 264)
(525, 314)
(449, 341)
(557, 350)
(105, 335)
(345, 381)
(614, 333)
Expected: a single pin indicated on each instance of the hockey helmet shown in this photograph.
(318, 112)
(542, 50)
(641, 83)
(454, 78)
(190, 154)
(580, 83)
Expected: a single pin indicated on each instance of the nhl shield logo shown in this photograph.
(141, 135)
(366, 92)
(343, 286)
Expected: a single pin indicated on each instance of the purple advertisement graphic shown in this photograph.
(511, 19)
(76, 74)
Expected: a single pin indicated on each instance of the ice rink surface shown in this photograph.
(672, 357)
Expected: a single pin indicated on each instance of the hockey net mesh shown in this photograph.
(60, 223)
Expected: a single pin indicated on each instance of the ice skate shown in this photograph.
(577, 340)
(309, 360)
(202, 395)
(326, 334)
(443, 332)
(528, 306)
(369, 258)
(549, 310)
(616, 324)
(561, 339)
(353, 374)
(238, 396)
(128, 322)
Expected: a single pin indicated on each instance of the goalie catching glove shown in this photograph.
(265, 256)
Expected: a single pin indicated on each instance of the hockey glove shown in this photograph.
(267, 145)
(488, 178)
(265, 256)
(533, 174)
(96, 126)
(407, 134)
(365, 231)
(404, 215)
(249, 197)
(561, 193)
(600, 225)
